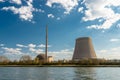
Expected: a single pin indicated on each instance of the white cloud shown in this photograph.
(25, 12)
(39, 51)
(80, 9)
(33, 50)
(1, 45)
(114, 40)
(2, 1)
(15, 51)
(31, 45)
(103, 51)
(65, 51)
(51, 16)
(68, 5)
(16, 1)
(97, 9)
(62, 54)
(93, 26)
(98, 26)
(58, 18)
(20, 45)
(36, 51)
(39, 10)
(112, 53)
(36, 48)
(43, 46)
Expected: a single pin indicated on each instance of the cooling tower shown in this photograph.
(83, 49)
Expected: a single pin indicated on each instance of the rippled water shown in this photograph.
(59, 73)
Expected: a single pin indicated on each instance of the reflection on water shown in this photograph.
(84, 73)
(59, 73)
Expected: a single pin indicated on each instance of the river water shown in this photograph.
(59, 73)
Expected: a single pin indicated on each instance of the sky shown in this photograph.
(23, 24)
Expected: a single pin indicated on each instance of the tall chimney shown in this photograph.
(46, 46)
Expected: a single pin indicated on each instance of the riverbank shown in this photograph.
(59, 65)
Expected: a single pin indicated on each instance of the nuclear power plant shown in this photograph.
(83, 49)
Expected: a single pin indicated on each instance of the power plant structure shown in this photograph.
(46, 47)
(83, 49)
(45, 57)
(41, 57)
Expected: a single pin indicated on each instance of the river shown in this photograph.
(59, 73)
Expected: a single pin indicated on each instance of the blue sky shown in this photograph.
(23, 23)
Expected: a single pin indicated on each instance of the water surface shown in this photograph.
(59, 73)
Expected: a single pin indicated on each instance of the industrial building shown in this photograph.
(50, 59)
(42, 58)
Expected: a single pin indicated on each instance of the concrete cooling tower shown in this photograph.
(83, 49)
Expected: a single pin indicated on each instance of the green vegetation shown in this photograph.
(26, 60)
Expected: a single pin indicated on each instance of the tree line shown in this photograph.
(27, 60)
